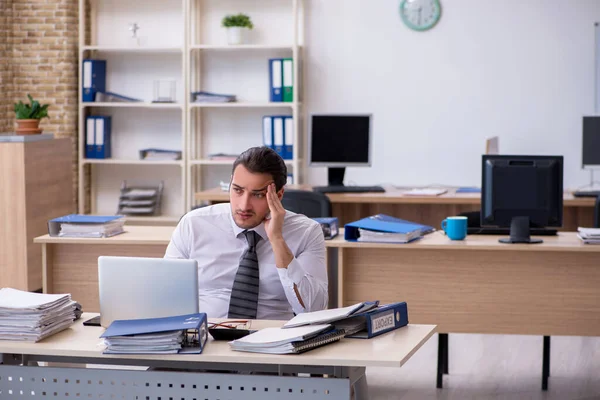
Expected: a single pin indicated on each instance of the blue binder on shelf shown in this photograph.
(90, 137)
(268, 131)
(276, 79)
(384, 223)
(381, 320)
(102, 137)
(278, 134)
(195, 325)
(93, 78)
(288, 138)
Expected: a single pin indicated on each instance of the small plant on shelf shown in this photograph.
(28, 116)
(237, 27)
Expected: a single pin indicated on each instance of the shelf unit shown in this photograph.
(131, 68)
(183, 38)
(280, 34)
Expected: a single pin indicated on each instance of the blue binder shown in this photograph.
(102, 137)
(384, 223)
(93, 78)
(276, 79)
(381, 320)
(189, 322)
(278, 134)
(90, 137)
(288, 138)
(268, 131)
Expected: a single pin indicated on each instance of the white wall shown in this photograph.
(522, 70)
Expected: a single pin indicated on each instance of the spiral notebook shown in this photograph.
(269, 340)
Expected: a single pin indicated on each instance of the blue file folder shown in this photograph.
(381, 320)
(102, 137)
(190, 322)
(384, 223)
(268, 131)
(93, 78)
(276, 79)
(288, 138)
(90, 137)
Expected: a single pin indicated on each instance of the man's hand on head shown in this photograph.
(274, 225)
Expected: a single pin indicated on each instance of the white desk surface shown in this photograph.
(391, 349)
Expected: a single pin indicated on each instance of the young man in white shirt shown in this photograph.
(291, 275)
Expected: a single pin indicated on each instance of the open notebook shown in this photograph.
(330, 315)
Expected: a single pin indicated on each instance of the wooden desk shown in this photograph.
(430, 210)
(472, 286)
(80, 344)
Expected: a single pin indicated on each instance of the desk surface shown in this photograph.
(395, 196)
(392, 349)
(161, 235)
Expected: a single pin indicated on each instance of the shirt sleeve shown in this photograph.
(179, 246)
(308, 270)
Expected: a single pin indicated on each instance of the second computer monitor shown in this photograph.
(590, 157)
(522, 192)
(338, 141)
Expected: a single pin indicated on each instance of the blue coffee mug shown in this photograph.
(455, 227)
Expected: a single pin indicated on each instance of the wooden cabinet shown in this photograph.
(36, 184)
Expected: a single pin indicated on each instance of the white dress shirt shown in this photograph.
(210, 236)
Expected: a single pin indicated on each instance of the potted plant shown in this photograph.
(29, 116)
(237, 27)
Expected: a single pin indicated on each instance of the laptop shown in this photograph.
(142, 287)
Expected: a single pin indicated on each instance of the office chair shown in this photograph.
(312, 204)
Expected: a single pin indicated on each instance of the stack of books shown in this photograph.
(26, 316)
(589, 235)
(160, 154)
(184, 334)
(209, 97)
(86, 226)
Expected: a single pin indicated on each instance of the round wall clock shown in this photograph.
(420, 15)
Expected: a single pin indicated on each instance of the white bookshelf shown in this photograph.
(242, 70)
(183, 40)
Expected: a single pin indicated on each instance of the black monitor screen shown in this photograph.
(591, 141)
(340, 139)
(522, 186)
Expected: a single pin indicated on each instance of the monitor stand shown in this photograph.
(335, 176)
(519, 232)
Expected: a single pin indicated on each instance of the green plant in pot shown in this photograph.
(237, 26)
(29, 116)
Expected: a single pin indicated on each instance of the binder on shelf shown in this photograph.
(276, 79)
(288, 138)
(376, 322)
(288, 80)
(78, 225)
(268, 131)
(278, 135)
(102, 137)
(94, 79)
(405, 230)
(142, 335)
(90, 140)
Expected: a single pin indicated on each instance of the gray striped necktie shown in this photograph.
(244, 293)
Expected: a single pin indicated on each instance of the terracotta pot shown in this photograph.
(28, 127)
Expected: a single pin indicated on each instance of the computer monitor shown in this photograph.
(521, 192)
(339, 141)
(590, 157)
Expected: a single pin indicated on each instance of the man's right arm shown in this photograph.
(179, 246)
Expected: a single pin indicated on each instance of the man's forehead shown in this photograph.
(253, 186)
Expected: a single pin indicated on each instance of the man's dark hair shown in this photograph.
(263, 160)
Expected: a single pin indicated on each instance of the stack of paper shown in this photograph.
(33, 316)
(425, 192)
(367, 235)
(287, 341)
(589, 235)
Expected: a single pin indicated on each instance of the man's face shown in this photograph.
(248, 197)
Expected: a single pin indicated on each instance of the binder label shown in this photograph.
(383, 321)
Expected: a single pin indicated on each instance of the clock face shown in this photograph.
(420, 15)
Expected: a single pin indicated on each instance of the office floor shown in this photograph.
(498, 367)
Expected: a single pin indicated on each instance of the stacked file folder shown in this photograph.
(385, 229)
(86, 226)
(167, 335)
(27, 316)
(589, 235)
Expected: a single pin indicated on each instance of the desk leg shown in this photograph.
(47, 264)
(442, 363)
(546, 363)
(340, 277)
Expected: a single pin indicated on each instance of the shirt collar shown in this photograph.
(260, 229)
